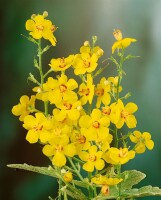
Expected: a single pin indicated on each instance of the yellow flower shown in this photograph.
(40, 27)
(54, 90)
(38, 127)
(92, 158)
(68, 107)
(103, 180)
(121, 114)
(102, 91)
(96, 125)
(121, 43)
(78, 137)
(25, 107)
(68, 177)
(58, 148)
(61, 64)
(114, 83)
(96, 50)
(118, 156)
(142, 141)
(87, 90)
(85, 63)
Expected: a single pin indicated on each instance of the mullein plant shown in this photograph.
(79, 126)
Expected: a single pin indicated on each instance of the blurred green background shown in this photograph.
(77, 22)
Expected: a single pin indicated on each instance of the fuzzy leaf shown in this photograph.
(131, 178)
(49, 171)
(80, 183)
(142, 192)
(74, 193)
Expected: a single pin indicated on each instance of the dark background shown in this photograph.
(77, 22)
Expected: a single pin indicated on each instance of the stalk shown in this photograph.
(117, 94)
(40, 52)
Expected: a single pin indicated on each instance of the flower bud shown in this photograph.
(33, 16)
(68, 177)
(105, 190)
(86, 43)
(45, 14)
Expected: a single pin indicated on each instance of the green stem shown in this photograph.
(40, 62)
(119, 173)
(90, 188)
(76, 171)
(60, 186)
(41, 73)
(48, 72)
(116, 139)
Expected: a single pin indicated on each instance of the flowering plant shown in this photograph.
(79, 125)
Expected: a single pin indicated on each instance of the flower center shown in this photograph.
(40, 27)
(92, 157)
(38, 127)
(81, 139)
(96, 124)
(62, 63)
(123, 153)
(62, 88)
(57, 131)
(124, 114)
(86, 63)
(99, 92)
(68, 106)
(84, 92)
(106, 110)
(59, 148)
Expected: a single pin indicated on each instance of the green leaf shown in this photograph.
(131, 178)
(81, 184)
(46, 49)
(48, 171)
(30, 39)
(50, 198)
(142, 192)
(75, 193)
(114, 61)
(36, 63)
(130, 56)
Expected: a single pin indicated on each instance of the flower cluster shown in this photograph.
(82, 119)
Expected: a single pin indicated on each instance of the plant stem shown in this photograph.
(40, 62)
(41, 74)
(76, 171)
(90, 188)
(116, 139)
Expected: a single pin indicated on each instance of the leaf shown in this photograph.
(114, 61)
(46, 49)
(74, 193)
(131, 178)
(48, 171)
(130, 56)
(36, 63)
(142, 192)
(50, 198)
(80, 183)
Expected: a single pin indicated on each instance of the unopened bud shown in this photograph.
(94, 38)
(33, 16)
(68, 177)
(86, 43)
(127, 95)
(105, 190)
(45, 14)
(100, 52)
(53, 28)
